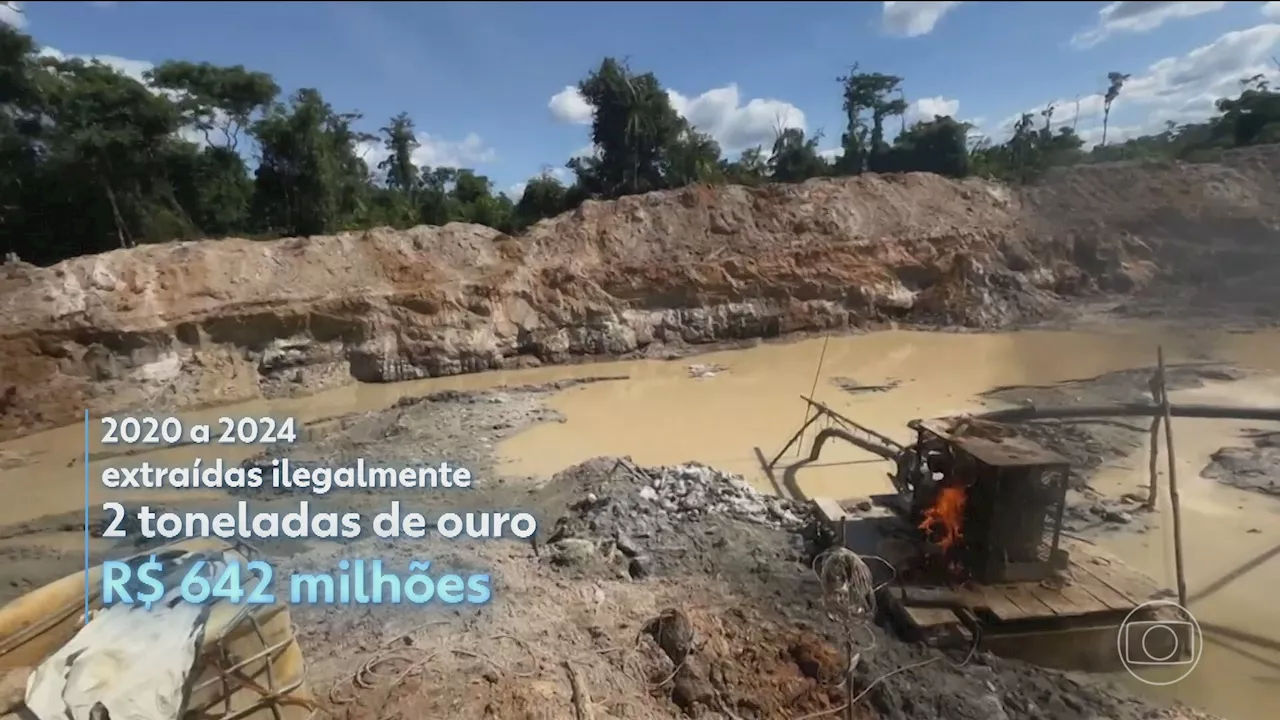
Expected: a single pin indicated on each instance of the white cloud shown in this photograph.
(568, 106)
(1178, 89)
(468, 152)
(435, 152)
(1271, 10)
(913, 19)
(932, 107)
(735, 126)
(719, 112)
(11, 14)
(1139, 17)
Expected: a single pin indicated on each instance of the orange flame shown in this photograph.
(945, 519)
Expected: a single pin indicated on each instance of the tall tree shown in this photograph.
(867, 102)
(1115, 82)
(633, 125)
(936, 146)
(795, 158)
(309, 179)
(692, 157)
(400, 140)
(111, 138)
(213, 98)
(751, 168)
(212, 183)
(543, 197)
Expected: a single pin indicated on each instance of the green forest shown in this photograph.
(94, 160)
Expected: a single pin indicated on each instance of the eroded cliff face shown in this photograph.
(192, 324)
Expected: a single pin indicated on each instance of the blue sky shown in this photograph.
(486, 82)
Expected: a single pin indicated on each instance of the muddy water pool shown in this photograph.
(665, 414)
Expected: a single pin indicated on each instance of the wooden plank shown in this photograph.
(995, 600)
(1101, 591)
(938, 627)
(1054, 600)
(1084, 601)
(1125, 581)
(916, 596)
(927, 617)
(1022, 596)
(829, 510)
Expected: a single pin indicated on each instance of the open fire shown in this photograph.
(943, 522)
(985, 504)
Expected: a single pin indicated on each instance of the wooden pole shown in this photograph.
(808, 420)
(1173, 480)
(853, 658)
(1153, 486)
(817, 373)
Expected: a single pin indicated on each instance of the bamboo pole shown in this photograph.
(1173, 480)
(1153, 487)
(809, 419)
(817, 373)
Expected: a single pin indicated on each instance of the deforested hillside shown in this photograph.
(194, 323)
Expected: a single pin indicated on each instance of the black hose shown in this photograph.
(1131, 410)
(884, 451)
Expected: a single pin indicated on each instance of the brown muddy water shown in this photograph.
(664, 415)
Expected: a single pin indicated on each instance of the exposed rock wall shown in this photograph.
(191, 324)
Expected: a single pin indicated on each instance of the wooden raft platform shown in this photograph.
(1099, 591)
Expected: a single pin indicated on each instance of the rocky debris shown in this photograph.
(11, 460)
(640, 521)
(1091, 511)
(853, 387)
(194, 324)
(650, 499)
(711, 370)
(1254, 468)
(691, 491)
